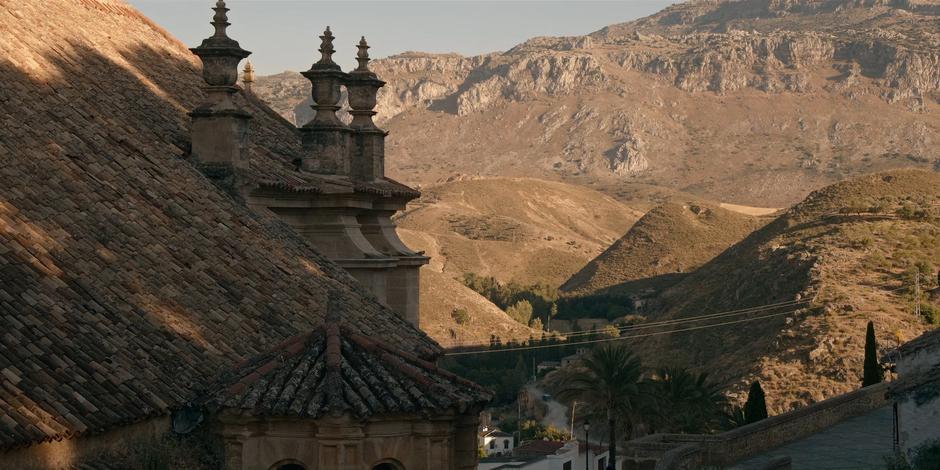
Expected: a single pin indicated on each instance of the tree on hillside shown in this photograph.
(552, 313)
(536, 324)
(608, 381)
(872, 373)
(521, 312)
(755, 409)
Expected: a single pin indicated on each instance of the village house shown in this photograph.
(550, 455)
(496, 442)
(187, 278)
(916, 393)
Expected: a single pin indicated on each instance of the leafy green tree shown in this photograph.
(611, 331)
(536, 324)
(755, 409)
(872, 373)
(607, 380)
(512, 381)
(520, 312)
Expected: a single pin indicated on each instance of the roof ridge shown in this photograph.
(375, 344)
(120, 7)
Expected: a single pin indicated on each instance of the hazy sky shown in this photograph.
(282, 34)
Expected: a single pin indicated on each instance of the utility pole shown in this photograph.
(917, 294)
(574, 405)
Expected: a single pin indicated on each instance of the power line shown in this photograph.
(620, 338)
(754, 309)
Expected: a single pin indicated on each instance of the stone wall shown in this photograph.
(679, 451)
(411, 442)
(918, 415)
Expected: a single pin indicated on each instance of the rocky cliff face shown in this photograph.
(754, 101)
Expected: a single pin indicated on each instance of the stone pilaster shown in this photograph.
(465, 440)
(340, 443)
(220, 127)
(325, 139)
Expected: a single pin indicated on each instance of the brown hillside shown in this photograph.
(668, 240)
(755, 101)
(846, 249)
(442, 296)
(517, 229)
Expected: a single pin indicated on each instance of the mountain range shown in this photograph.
(755, 102)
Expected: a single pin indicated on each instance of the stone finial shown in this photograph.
(248, 76)
(325, 139)
(220, 126)
(368, 152)
(220, 20)
(220, 54)
(363, 56)
(326, 51)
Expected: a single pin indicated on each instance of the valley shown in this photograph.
(660, 165)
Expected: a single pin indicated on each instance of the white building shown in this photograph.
(549, 455)
(496, 442)
(915, 392)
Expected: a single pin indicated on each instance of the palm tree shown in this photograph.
(734, 417)
(685, 401)
(608, 379)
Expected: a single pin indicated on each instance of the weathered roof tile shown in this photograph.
(335, 369)
(127, 280)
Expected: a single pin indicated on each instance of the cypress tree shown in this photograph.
(873, 373)
(755, 409)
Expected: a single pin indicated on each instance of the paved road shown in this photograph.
(557, 414)
(859, 443)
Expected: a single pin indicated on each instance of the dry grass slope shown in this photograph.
(851, 247)
(515, 229)
(668, 240)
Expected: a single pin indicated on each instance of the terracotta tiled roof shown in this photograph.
(532, 448)
(336, 370)
(127, 280)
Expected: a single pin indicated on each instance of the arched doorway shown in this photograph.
(288, 465)
(388, 465)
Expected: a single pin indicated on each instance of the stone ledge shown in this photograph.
(687, 451)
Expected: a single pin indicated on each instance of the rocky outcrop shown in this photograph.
(628, 159)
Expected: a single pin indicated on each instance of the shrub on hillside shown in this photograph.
(930, 312)
(911, 211)
(461, 316)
